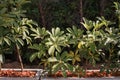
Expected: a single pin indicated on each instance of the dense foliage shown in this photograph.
(59, 40)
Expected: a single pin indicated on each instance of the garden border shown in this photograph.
(40, 75)
(37, 76)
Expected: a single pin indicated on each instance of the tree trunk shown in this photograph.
(81, 14)
(42, 14)
(102, 7)
(19, 57)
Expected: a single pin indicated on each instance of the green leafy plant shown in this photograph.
(117, 7)
(94, 36)
(74, 35)
(110, 46)
(57, 39)
(14, 28)
(4, 39)
(79, 71)
(88, 24)
(39, 33)
(87, 45)
(39, 47)
(40, 51)
(75, 56)
(62, 63)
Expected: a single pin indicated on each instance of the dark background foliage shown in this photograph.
(65, 13)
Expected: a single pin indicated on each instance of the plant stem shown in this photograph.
(50, 72)
(0, 65)
(86, 66)
(19, 57)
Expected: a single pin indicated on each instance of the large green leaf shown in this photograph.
(56, 40)
(34, 46)
(19, 40)
(74, 32)
(88, 24)
(58, 48)
(56, 67)
(7, 40)
(33, 56)
(40, 49)
(1, 41)
(51, 50)
(92, 47)
(75, 56)
(52, 59)
(3, 10)
(64, 73)
(39, 32)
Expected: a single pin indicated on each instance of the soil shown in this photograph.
(15, 64)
